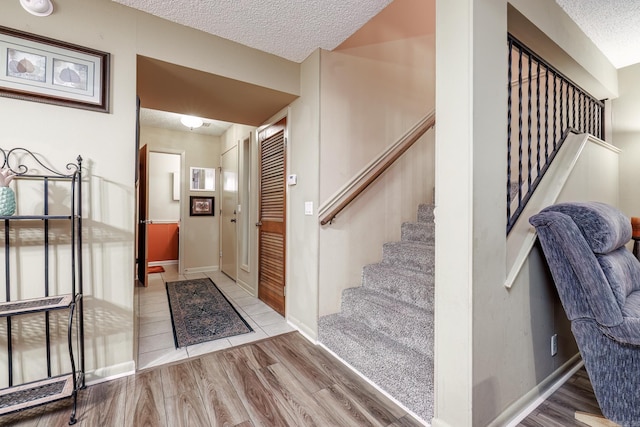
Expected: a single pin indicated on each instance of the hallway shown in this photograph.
(155, 336)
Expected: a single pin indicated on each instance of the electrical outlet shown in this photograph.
(554, 344)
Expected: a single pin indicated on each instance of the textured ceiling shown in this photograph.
(291, 29)
(612, 25)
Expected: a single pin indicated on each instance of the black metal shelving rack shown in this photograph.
(17, 397)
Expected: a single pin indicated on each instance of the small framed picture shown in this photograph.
(201, 206)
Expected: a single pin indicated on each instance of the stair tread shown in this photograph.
(409, 254)
(415, 287)
(409, 379)
(401, 321)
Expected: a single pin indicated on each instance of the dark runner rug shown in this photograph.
(200, 312)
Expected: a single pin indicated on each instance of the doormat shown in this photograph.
(155, 269)
(200, 313)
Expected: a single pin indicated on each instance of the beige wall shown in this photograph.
(303, 132)
(107, 143)
(370, 96)
(199, 236)
(626, 136)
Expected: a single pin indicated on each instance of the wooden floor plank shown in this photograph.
(312, 377)
(335, 400)
(185, 409)
(218, 394)
(144, 406)
(257, 399)
(301, 405)
(112, 394)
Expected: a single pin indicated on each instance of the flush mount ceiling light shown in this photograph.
(37, 7)
(191, 122)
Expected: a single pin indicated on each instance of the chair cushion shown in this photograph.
(622, 271)
(604, 227)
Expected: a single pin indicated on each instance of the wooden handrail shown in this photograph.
(330, 209)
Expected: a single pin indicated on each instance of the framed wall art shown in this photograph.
(201, 206)
(203, 179)
(41, 69)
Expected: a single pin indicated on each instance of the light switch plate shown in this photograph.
(308, 208)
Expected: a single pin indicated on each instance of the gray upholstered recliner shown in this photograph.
(598, 281)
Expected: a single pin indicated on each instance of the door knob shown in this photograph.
(258, 224)
(233, 220)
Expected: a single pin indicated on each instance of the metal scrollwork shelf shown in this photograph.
(53, 222)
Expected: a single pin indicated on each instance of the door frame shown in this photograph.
(284, 114)
(184, 206)
(221, 204)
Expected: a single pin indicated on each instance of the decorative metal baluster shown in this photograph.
(538, 118)
(529, 123)
(546, 115)
(519, 128)
(509, 92)
(555, 109)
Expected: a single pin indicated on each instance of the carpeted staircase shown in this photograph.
(385, 329)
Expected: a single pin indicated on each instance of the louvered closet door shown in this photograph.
(272, 219)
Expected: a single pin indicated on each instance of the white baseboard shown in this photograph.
(156, 263)
(109, 373)
(374, 385)
(308, 333)
(192, 270)
(524, 406)
(247, 288)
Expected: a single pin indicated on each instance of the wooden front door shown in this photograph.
(272, 218)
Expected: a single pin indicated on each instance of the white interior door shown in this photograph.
(229, 206)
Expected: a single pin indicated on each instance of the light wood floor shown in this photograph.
(279, 381)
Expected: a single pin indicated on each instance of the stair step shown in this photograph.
(405, 374)
(418, 256)
(414, 287)
(425, 213)
(418, 231)
(405, 323)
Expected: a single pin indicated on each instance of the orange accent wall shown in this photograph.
(162, 243)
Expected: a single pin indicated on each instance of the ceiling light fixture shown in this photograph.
(191, 122)
(37, 7)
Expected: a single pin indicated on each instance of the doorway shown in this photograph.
(159, 210)
(228, 213)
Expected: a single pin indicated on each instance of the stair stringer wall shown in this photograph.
(369, 97)
(586, 168)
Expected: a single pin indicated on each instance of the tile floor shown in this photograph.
(155, 334)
